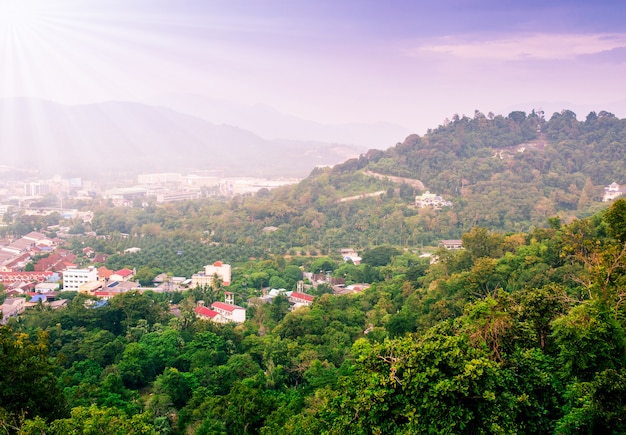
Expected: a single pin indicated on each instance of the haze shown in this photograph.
(404, 66)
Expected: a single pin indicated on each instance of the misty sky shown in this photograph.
(410, 62)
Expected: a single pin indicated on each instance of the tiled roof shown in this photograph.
(303, 296)
(124, 272)
(206, 312)
(224, 306)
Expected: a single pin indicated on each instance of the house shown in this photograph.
(229, 313)
(205, 313)
(349, 254)
(431, 200)
(451, 244)
(297, 300)
(10, 277)
(90, 287)
(222, 270)
(613, 191)
(12, 307)
(47, 287)
(104, 273)
(227, 310)
(122, 275)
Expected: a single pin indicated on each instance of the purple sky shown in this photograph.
(409, 62)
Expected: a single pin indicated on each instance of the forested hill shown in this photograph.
(506, 173)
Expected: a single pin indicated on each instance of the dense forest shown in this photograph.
(521, 332)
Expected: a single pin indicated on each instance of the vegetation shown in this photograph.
(519, 333)
(523, 331)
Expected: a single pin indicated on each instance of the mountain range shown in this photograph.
(125, 137)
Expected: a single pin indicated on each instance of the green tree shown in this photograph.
(27, 381)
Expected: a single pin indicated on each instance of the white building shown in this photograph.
(431, 200)
(74, 278)
(218, 268)
(228, 312)
(612, 191)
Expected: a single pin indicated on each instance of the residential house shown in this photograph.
(12, 307)
(205, 313)
(228, 311)
(613, 191)
(451, 244)
(122, 275)
(349, 254)
(297, 300)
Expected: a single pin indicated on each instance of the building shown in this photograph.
(11, 277)
(451, 244)
(613, 191)
(297, 300)
(222, 312)
(219, 269)
(12, 307)
(349, 254)
(74, 278)
(431, 200)
(229, 313)
(122, 275)
(205, 313)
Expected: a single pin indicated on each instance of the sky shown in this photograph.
(409, 62)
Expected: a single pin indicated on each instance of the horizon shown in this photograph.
(411, 64)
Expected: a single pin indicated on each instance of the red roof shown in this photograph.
(24, 276)
(217, 264)
(206, 312)
(224, 306)
(124, 272)
(303, 296)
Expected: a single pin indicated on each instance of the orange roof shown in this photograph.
(103, 272)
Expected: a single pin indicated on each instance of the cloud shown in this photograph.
(526, 47)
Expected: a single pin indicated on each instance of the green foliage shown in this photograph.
(27, 379)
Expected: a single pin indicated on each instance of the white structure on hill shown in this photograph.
(613, 191)
(431, 200)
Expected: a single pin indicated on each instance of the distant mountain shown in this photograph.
(124, 137)
(269, 123)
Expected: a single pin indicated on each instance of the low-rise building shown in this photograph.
(451, 244)
(12, 307)
(613, 191)
(297, 300)
(219, 269)
(122, 275)
(431, 200)
(74, 278)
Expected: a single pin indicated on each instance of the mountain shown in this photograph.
(505, 173)
(125, 137)
(269, 123)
